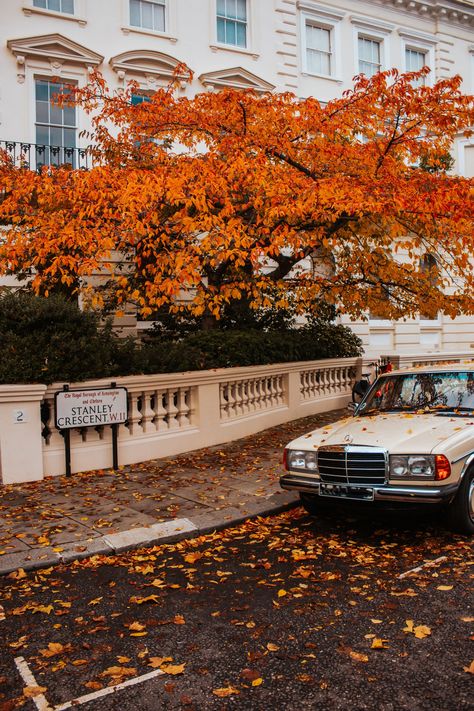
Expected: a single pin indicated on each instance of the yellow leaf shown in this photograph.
(282, 593)
(444, 587)
(257, 682)
(79, 662)
(93, 685)
(226, 691)
(53, 648)
(179, 620)
(272, 647)
(32, 691)
(192, 557)
(136, 626)
(422, 631)
(470, 668)
(358, 656)
(173, 668)
(377, 622)
(141, 600)
(123, 660)
(118, 672)
(156, 662)
(17, 574)
(378, 643)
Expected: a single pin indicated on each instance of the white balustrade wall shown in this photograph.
(173, 413)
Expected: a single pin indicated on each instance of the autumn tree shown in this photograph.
(261, 200)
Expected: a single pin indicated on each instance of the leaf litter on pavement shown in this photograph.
(254, 584)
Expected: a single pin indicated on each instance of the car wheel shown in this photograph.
(312, 504)
(461, 509)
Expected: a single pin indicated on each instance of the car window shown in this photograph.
(415, 391)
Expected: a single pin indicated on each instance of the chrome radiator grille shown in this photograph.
(352, 464)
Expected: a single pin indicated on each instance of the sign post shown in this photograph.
(90, 407)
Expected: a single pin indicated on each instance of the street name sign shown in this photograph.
(90, 407)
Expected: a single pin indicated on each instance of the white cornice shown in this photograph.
(453, 12)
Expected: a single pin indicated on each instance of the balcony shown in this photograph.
(35, 156)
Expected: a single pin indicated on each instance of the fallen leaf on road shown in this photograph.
(257, 682)
(420, 631)
(179, 620)
(272, 647)
(156, 662)
(358, 656)
(173, 668)
(32, 691)
(470, 668)
(226, 691)
(378, 643)
(118, 672)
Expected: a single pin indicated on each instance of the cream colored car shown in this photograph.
(410, 440)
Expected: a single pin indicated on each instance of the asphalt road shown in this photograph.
(283, 613)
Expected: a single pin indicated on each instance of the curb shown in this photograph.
(154, 535)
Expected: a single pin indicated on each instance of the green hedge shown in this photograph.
(49, 340)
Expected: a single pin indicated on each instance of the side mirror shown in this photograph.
(360, 388)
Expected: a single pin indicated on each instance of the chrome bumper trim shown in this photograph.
(431, 495)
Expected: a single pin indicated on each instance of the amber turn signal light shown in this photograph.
(442, 467)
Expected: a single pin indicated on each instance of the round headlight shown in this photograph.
(398, 466)
(421, 466)
(311, 460)
(296, 459)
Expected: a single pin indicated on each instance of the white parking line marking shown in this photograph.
(39, 700)
(42, 704)
(428, 564)
(108, 690)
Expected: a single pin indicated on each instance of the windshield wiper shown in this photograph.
(452, 411)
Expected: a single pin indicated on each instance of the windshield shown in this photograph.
(451, 392)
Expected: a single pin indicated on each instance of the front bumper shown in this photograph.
(382, 492)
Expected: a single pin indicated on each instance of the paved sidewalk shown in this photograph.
(59, 520)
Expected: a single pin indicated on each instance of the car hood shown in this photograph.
(398, 433)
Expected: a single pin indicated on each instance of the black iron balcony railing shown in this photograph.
(35, 156)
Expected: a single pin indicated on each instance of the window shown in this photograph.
(318, 50)
(369, 56)
(148, 14)
(415, 60)
(232, 22)
(56, 5)
(55, 126)
(137, 99)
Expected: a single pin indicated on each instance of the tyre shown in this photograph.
(461, 509)
(312, 504)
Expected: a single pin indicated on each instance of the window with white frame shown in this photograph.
(56, 126)
(319, 59)
(56, 5)
(148, 14)
(415, 59)
(232, 20)
(370, 62)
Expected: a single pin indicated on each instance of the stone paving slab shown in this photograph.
(61, 519)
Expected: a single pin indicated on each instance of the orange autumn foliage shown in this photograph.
(268, 199)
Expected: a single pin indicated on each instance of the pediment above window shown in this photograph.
(155, 67)
(53, 48)
(236, 78)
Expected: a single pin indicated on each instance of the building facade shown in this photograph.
(308, 48)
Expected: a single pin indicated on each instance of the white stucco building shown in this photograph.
(302, 46)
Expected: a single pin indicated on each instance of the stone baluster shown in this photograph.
(183, 407)
(172, 408)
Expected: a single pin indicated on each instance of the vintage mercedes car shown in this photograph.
(410, 441)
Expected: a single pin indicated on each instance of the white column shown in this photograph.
(21, 442)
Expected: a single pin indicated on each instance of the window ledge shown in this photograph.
(30, 10)
(126, 29)
(234, 48)
(337, 80)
